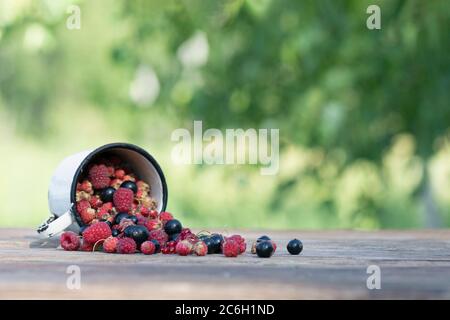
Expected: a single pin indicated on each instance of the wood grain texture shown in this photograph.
(333, 265)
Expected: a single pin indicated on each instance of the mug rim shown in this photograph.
(105, 147)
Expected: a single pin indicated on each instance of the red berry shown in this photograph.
(230, 248)
(95, 202)
(153, 214)
(126, 246)
(165, 216)
(115, 183)
(85, 186)
(86, 246)
(183, 248)
(119, 174)
(123, 199)
(70, 241)
(83, 204)
(153, 224)
(87, 215)
(148, 247)
(99, 176)
(240, 240)
(110, 244)
(160, 236)
(96, 232)
(200, 248)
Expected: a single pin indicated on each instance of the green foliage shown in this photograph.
(363, 114)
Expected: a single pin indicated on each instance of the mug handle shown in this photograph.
(55, 225)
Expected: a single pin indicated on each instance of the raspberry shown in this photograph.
(153, 214)
(115, 183)
(99, 176)
(144, 211)
(85, 186)
(148, 247)
(129, 177)
(83, 204)
(87, 215)
(183, 248)
(126, 246)
(95, 202)
(123, 199)
(96, 232)
(153, 224)
(200, 248)
(165, 216)
(70, 241)
(119, 174)
(160, 236)
(240, 240)
(111, 171)
(110, 245)
(230, 248)
(86, 246)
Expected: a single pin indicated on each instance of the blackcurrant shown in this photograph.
(129, 185)
(138, 233)
(173, 226)
(210, 244)
(217, 240)
(295, 246)
(107, 194)
(120, 216)
(132, 218)
(115, 232)
(264, 249)
(174, 236)
(262, 238)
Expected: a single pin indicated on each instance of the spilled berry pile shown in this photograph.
(120, 216)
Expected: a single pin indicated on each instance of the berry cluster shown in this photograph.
(120, 216)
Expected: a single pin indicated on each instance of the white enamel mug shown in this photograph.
(63, 184)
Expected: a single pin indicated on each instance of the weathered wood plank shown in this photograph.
(414, 264)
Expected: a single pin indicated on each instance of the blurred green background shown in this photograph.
(364, 115)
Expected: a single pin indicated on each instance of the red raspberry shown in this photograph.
(87, 215)
(96, 232)
(141, 219)
(240, 240)
(200, 248)
(70, 241)
(85, 186)
(99, 176)
(148, 247)
(153, 224)
(160, 236)
(165, 216)
(230, 248)
(123, 199)
(110, 244)
(83, 204)
(111, 171)
(95, 202)
(183, 248)
(86, 246)
(126, 246)
(153, 214)
(144, 211)
(119, 174)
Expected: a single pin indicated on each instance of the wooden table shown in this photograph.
(413, 264)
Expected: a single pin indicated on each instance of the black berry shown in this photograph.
(115, 232)
(174, 236)
(132, 218)
(295, 246)
(138, 233)
(173, 226)
(217, 240)
(157, 245)
(264, 249)
(107, 194)
(210, 244)
(262, 238)
(120, 216)
(129, 185)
